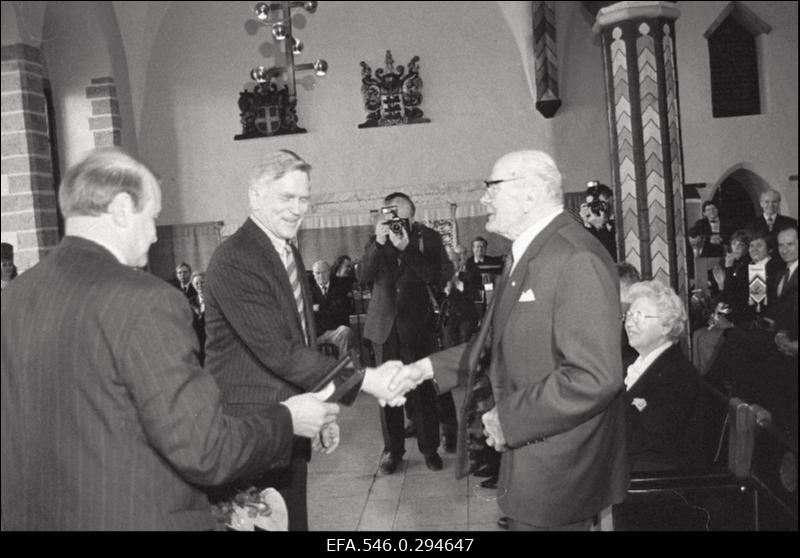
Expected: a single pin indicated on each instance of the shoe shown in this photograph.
(434, 462)
(449, 443)
(411, 430)
(485, 471)
(502, 522)
(389, 463)
(491, 482)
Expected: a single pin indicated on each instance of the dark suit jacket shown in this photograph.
(108, 421)
(557, 377)
(255, 346)
(334, 307)
(781, 222)
(713, 250)
(783, 308)
(190, 291)
(399, 294)
(667, 431)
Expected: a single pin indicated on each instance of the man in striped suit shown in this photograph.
(261, 342)
(108, 420)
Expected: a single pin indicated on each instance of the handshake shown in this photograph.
(314, 418)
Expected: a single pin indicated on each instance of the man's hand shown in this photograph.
(494, 432)
(376, 383)
(310, 413)
(381, 232)
(400, 241)
(411, 375)
(327, 440)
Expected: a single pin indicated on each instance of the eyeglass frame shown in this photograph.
(490, 183)
(639, 313)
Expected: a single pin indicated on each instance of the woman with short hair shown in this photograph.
(662, 387)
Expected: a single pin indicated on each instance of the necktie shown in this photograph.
(770, 222)
(324, 290)
(784, 281)
(294, 281)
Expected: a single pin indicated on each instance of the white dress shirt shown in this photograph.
(524, 240)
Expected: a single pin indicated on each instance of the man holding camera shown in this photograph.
(597, 213)
(405, 260)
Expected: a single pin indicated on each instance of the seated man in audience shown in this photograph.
(331, 308)
(662, 388)
(771, 221)
(183, 280)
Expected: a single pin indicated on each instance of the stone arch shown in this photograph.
(737, 194)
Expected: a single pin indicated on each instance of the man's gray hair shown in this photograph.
(771, 191)
(670, 306)
(542, 169)
(91, 184)
(277, 164)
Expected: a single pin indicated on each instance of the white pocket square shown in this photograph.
(527, 296)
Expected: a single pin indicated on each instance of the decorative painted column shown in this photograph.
(29, 215)
(546, 59)
(638, 41)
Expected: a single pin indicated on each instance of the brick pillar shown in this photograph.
(642, 94)
(29, 214)
(105, 121)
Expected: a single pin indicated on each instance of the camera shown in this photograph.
(396, 224)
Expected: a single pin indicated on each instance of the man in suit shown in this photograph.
(331, 305)
(555, 367)
(715, 233)
(404, 263)
(260, 343)
(183, 281)
(108, 420)
(770, 220)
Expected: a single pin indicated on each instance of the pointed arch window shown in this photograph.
(733, 56)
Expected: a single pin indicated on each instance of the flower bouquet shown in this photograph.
(251, 510)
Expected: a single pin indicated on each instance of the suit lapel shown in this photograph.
(267, 250)
(512, 290)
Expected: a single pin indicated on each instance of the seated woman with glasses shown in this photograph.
(662, 386)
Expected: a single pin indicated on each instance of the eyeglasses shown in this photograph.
(636, 316)
(490, 183)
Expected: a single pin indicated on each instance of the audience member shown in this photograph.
(9, 270)
(715, 233)
(731, 303)
(198, 304)
(331, 305)
(259, 320)
(481, 271)
(109, 421)
(183, 280)
(404, 264)
(771, 221)
(662, 388)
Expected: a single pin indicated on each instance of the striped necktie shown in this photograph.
(294, 281)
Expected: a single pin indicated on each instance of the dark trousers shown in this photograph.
(291, 484)
(420, 403)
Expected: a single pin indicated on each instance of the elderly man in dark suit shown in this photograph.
(260, 344)
(405, 262)
(333, 303)
(555, 369)
(771, 221)
(108, 420)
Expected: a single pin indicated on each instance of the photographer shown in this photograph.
(597, 213)
(405, 260)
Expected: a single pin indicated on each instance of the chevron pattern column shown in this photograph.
(641, 85)
(545, 58)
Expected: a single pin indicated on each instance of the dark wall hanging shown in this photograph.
(392, 96)
(268, 110)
